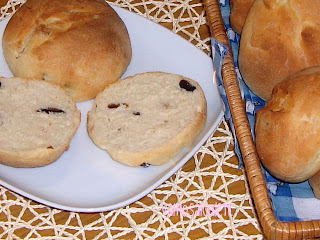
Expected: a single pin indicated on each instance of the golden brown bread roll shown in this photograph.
(315, 184)
(278, 39)
(287, 128)
(81, 45)
(239, 12)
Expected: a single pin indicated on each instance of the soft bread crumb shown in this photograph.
(147, 118)
(36, 118)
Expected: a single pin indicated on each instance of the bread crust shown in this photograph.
(162, 153)
(37, 157)
(279, 38)
(287, 128)
(314, 182)
(30, 158)
(81, 45)
(239, 13)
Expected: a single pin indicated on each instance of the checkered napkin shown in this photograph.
(291, 202)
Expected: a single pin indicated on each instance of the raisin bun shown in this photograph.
(279, 38)
(147, 118)
(37, 122)
(287, 128)
(81, 45)
(239, 13)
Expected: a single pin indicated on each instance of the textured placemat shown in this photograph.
(207, 199)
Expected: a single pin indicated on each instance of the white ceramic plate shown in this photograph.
(85, 178)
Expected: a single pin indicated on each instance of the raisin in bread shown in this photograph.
(148, 118)
(37, 122)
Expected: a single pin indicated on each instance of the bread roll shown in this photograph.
(37, 122)
(278, 39)
(287, 128)
(239, 13)
(314, 182)
(81, 45)
(148, 118)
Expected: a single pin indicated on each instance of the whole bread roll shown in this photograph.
(287, 128)
(37, 122)
(314, 182)
(278, 39)
(239, 13)
(147, 118)
(81, 45)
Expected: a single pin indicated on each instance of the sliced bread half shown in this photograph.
(148, 118)
(37, 122)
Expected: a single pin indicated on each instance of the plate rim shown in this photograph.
(217, 120)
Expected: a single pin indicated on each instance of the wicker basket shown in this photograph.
(273, 229)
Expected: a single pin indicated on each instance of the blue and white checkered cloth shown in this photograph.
(291, 202)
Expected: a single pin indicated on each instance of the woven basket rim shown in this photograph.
(272, 228)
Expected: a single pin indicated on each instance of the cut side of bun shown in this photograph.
(37, 122)
(148, 118)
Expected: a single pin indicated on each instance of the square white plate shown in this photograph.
(85, 178)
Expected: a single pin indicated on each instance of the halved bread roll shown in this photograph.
(147, 118)
(37, 122)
